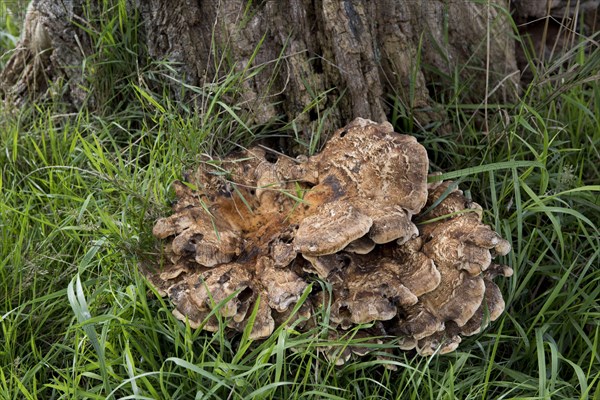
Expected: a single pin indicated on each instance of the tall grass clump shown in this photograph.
(12, 15)
(79, 193)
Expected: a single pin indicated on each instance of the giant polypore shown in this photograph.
(250, 230)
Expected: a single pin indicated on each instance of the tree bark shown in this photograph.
(295, 58)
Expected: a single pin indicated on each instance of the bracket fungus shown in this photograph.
(249, 231)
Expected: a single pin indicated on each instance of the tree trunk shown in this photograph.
(293, 58)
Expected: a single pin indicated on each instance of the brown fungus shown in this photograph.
(461, 247)
(249, 230)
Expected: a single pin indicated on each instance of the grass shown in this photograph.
(79, 194)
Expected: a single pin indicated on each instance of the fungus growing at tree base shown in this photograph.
(249, 231)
